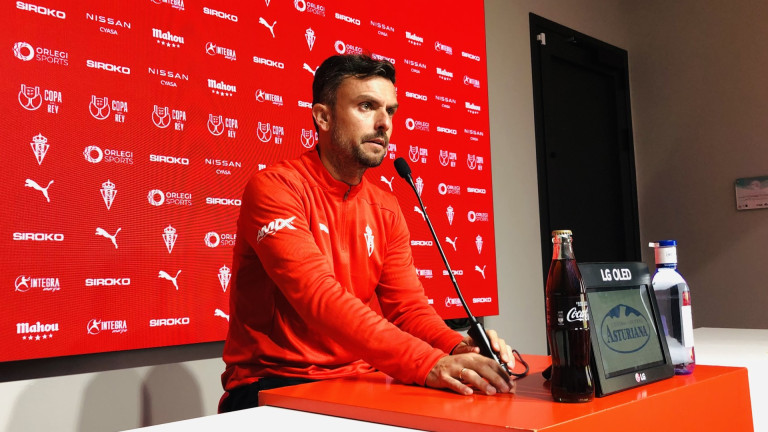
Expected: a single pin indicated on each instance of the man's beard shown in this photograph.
(359, 155)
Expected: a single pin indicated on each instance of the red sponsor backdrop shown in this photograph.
(131, 128)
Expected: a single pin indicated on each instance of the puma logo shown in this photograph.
(388, 182)
(452, 242)
(34, 185)
(103, 233)
(165, 275)
(481, 270)
(266, 24)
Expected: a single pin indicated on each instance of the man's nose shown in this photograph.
(383, 120)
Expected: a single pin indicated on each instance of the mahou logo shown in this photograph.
(37, 331)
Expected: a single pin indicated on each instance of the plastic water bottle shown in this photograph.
(674, 299)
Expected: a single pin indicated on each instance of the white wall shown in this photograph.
(699, 103)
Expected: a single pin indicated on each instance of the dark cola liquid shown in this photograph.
(568, 333)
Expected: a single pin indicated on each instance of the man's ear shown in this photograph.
(322, 115)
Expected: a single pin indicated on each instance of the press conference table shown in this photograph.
(712, 398)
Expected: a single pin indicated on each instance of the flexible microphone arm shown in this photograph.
(476, 330)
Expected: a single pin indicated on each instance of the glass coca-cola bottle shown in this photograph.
(567, 324)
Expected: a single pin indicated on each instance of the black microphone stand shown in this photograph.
(476, 330)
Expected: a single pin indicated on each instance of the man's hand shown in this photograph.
(461, 372)
(498, 345)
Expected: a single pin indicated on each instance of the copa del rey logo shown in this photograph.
(217, 125)
(101, 108)
(308, 138)
(162, 117)
(30, 98)
(224, 276)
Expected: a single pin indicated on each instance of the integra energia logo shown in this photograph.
(625, 329)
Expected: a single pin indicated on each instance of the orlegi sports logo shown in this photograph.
(94, 154)
(168, 322)
(26, 52)
(109, 67)
(625, 330)
(308, 6)
(156, 197)
(342, 47)
(214, 239)
(42, 10)
(220, 14)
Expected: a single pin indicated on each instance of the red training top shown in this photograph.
(324, 284)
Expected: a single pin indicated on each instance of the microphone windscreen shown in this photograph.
(402, 168)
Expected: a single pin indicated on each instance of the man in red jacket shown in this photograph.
(323, 279)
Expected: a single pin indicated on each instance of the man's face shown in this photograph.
(361, 122)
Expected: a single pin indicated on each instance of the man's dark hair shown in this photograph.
(335, 69)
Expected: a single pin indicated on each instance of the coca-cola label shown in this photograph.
(570, 311)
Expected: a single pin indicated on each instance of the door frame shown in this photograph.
(607, 54)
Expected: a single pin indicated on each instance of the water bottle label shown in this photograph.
(687, 320)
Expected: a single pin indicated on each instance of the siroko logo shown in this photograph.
(273, 227)
(223, 201)
(481, 300)
(476, 190)
(413, 95)
(108, 282)
(38, 237)
(29, 7)
(382, 57)
(168, 322)
(268, 62)
(348, 19)
(470, 56)
(109, 67)
(173, 160)
(220, 14)
(422, 243)
(446, 130)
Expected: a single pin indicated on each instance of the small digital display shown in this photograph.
(627, 335)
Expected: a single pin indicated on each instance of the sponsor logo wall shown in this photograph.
(131, 129)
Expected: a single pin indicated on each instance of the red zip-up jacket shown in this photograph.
(324, 284)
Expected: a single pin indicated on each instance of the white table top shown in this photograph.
(739, 347)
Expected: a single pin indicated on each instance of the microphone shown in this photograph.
(476, 330)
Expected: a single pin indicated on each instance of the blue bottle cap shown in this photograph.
(663, 243)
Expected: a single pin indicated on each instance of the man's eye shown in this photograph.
(366, 105)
